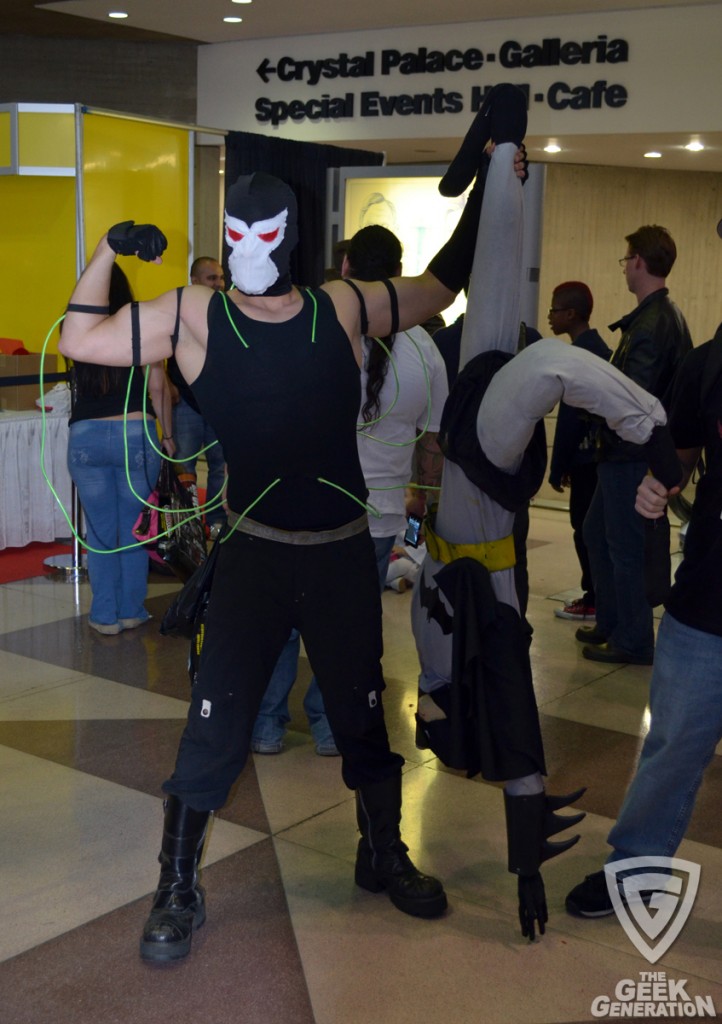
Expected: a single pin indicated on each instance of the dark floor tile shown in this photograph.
(138, 754)
(139, 657)
(605, 761)
(244, 967)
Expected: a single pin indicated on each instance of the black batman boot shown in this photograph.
(382, 860)
(179, 904)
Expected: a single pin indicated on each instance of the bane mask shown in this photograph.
(261, 231)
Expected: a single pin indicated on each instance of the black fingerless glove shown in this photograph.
(145, 241)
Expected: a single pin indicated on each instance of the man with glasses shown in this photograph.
(654, 339)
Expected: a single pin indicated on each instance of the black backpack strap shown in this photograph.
(362, 304)
(394, 306)
(176, 328)
(135, 333)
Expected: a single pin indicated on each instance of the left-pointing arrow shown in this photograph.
(265, 69)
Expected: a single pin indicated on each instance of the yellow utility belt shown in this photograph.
(495, 555)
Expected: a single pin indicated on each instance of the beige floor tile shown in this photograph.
(73, 847)
(298, 784)
(365, 961)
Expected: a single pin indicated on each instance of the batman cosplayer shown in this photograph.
(477, 709)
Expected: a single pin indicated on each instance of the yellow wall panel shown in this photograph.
(37, 256)
(46, 140)
(5, 138)
(138, 171)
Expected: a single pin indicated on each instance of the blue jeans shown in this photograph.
(273, 715)
(192, 433)
(614, 536)
(686, 707)
(96, 461)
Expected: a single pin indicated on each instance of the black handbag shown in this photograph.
(187, 610)
(172, 510)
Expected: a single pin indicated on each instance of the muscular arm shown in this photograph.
(429, 464)
(422, 296)
(419, 298)
(159, 390)
(94, 338)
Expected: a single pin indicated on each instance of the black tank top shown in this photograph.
(285, 407)
(98, 407)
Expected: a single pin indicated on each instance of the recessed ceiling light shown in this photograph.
(552, 148)
(653, 155)
(694, 147)
(241, 1)
(233, 21)
(117, 14)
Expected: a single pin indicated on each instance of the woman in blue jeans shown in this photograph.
(97, 465)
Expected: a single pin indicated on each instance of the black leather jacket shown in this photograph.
(655, 337)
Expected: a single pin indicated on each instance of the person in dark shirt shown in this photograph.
(686, 688)
(573, 461)
(654, 340)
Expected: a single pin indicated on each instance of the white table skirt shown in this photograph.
(28, 510)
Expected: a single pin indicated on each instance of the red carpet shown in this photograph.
(24, 563)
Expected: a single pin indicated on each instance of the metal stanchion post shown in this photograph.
(71, 566)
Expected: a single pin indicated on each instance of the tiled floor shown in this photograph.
(88, 730)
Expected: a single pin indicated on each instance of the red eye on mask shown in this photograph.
(235, 235)
(270, 236)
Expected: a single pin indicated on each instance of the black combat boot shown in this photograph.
(382, 860)
(179, 904)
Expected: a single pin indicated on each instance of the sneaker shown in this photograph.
(134, 623)
(106, 628)
(266, 746)
(578, 610)
(590, 898)
(327, 749)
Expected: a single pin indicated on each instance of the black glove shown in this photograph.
(502, 118)
(145, 241)
(452, 263)
(662, 458)
(532, 905)
(657, 561)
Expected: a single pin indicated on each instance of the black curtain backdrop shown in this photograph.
(303, 166)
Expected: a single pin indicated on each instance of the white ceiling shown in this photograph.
(202, 21)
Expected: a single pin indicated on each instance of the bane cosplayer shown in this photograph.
(275, 371)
